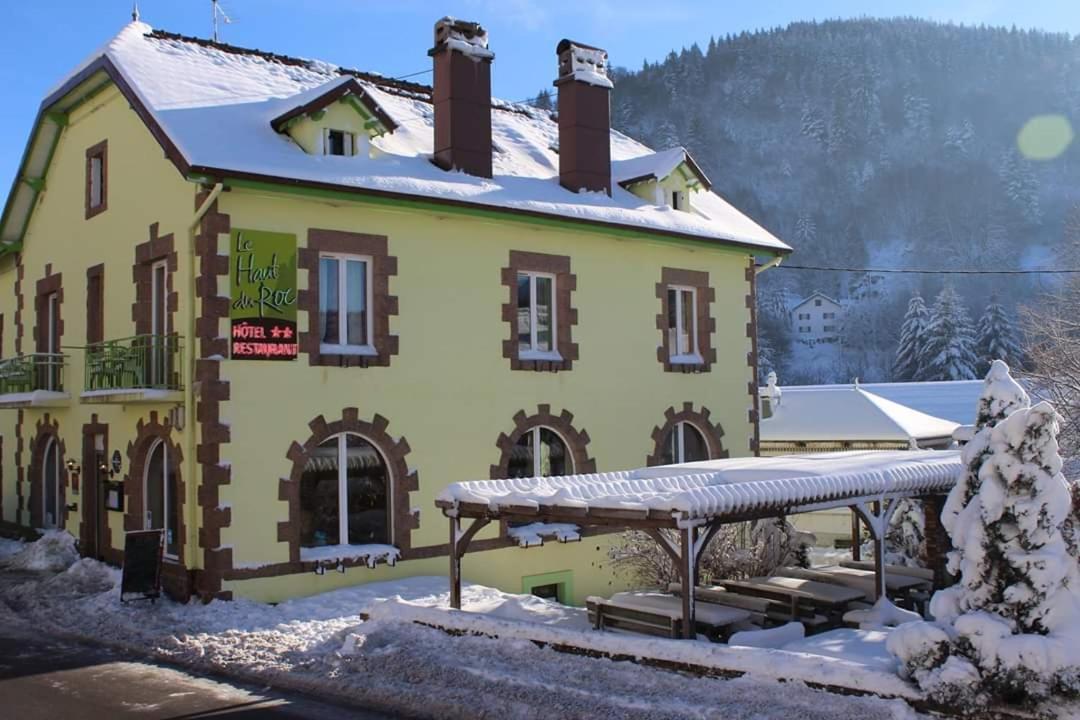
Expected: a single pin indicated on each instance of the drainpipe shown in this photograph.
(189, 386)
(775, 262)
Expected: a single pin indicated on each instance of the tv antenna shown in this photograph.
(219, 13)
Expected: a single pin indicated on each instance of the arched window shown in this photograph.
(683, 444)
(540, 452)
(50, 484)
(344, 497)
(162, 504)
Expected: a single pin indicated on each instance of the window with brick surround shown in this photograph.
(539, 312)
(97, 179)
(685, 321)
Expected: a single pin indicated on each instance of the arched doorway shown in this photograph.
(50, 484)
(161, 501)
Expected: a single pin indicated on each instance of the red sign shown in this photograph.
(264, 339)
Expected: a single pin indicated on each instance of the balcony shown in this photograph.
(140, 369)
(35, 380)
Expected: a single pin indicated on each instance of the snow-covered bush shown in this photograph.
(737, 551)
(1009, 630)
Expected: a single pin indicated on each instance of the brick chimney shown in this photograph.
(584, 118)
(462, 97)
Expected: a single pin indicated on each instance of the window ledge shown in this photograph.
(370, 555)
(694, 359)
(548, 355)
(366, 350)
(35, 398)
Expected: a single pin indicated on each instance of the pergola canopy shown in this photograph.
(696, 499)
(714, 490)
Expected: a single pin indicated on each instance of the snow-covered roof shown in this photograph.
(213, 104)
(655, 166)
(847, 413)
(716, 488)
(953, 400)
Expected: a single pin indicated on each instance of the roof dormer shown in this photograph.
(668, 178)
(338, 118)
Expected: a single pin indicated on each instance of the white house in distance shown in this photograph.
(817, 319)
(800, 420)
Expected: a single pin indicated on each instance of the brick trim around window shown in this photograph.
(706, 323)
(566, 315)
(383, 304)
(47, 427)
(100, 150)
(46, 286)
(147, 254)
(95, 304)
(713, 434)
(174, 576)
(403, 480)
(577, 441)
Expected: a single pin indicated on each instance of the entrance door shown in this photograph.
(50, 485)
(93, 495)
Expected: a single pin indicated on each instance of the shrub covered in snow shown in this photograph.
(1009, 630)
(737, 551)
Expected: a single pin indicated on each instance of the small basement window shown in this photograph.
(547, 592)
(339, 142)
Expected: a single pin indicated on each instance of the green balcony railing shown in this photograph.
(37, 371)
(142, 362)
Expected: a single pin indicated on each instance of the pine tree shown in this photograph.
(1001, 396)
(543, 100)
(950, 346)
(996, 337)
(911, 352)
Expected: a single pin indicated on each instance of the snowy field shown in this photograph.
(320, 644)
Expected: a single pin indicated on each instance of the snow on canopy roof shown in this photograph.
(731, 487)
(216, 103)
(954, 400)
(655, 166)
(839, 413)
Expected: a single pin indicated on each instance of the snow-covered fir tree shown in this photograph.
(996, 337)
(1010, 628)
(905, 539)
(950, 344)
(911, 351)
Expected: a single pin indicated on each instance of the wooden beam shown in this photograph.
(856, 536)
(459, 543)
(688, 587)
(665, 545)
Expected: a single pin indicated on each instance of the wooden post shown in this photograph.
(455, 564)
(879, 564)
(688, 588)
(856, 551)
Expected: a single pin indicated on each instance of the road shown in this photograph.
(49, 679)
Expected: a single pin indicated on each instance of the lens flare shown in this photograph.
(1044, 137)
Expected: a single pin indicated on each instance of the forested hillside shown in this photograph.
(877, 143)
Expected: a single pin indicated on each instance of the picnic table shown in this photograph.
(801, 598)
(715, 621)
(856, 578)
(923, 574)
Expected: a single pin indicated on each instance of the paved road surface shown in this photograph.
(52, 680)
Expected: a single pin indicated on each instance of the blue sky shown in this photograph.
(46, 38)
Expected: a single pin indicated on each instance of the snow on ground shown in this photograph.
(866, 647)
(320, 644)
(9, 547)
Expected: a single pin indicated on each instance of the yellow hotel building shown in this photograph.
(272, 307)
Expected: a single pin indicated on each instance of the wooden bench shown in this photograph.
(604, 614)
(759, 608)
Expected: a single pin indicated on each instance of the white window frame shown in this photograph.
(343, 491)
(680, 440)
(693, 357)
(534, 434)
(342, 347)
(51, 447)
(532, 353)
(159, 300)
(52, 311)
(349, 143)
(167, 501)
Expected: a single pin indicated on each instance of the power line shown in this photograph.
(912, 271)
(418, 72)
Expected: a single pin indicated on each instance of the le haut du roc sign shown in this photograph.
(262, 291)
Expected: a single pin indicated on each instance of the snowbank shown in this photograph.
(55, 550)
